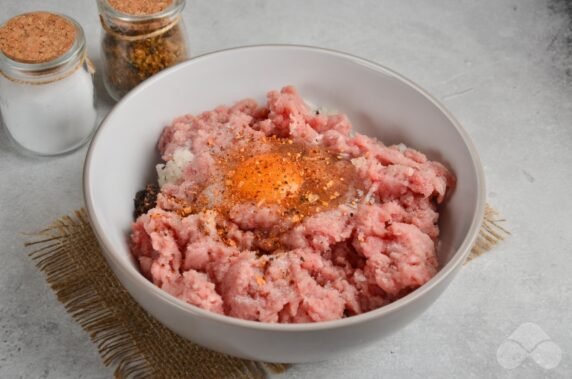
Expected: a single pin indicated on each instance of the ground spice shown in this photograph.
(145, 199)
(299, 179)
(134, 51)
(292, 178)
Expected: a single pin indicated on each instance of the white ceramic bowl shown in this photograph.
(379, 102)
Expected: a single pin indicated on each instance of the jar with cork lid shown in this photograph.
(47, 101)
(139, 39)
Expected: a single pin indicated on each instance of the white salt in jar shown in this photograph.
(46, 83)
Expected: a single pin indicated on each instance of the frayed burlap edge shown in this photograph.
(491, 233)
(128, 338)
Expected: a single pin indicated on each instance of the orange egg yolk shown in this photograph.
(267, 178)
(297, 180)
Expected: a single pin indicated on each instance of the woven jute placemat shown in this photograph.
(128, 338)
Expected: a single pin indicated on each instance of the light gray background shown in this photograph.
(503, 67)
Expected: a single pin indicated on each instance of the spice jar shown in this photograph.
(47, 98)
(139, 39)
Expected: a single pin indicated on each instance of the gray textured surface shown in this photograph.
(503, 67)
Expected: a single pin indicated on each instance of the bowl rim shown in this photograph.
(136, 277)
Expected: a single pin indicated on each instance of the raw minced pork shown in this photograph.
(365, 252)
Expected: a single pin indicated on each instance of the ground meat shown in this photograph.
(281, 214)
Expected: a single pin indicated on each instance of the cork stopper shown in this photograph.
(36, 37)
(140, 7)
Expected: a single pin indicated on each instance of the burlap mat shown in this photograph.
(128, 338)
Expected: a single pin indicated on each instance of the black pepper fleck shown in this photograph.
(145, 199)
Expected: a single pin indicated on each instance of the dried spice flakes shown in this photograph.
(129, 61)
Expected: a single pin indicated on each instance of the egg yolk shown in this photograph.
(300, 179)
(267, 178)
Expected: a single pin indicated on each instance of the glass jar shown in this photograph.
(47, 101)
(138, 42)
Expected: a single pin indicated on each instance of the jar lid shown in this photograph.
(36, 37)
(140, 7)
